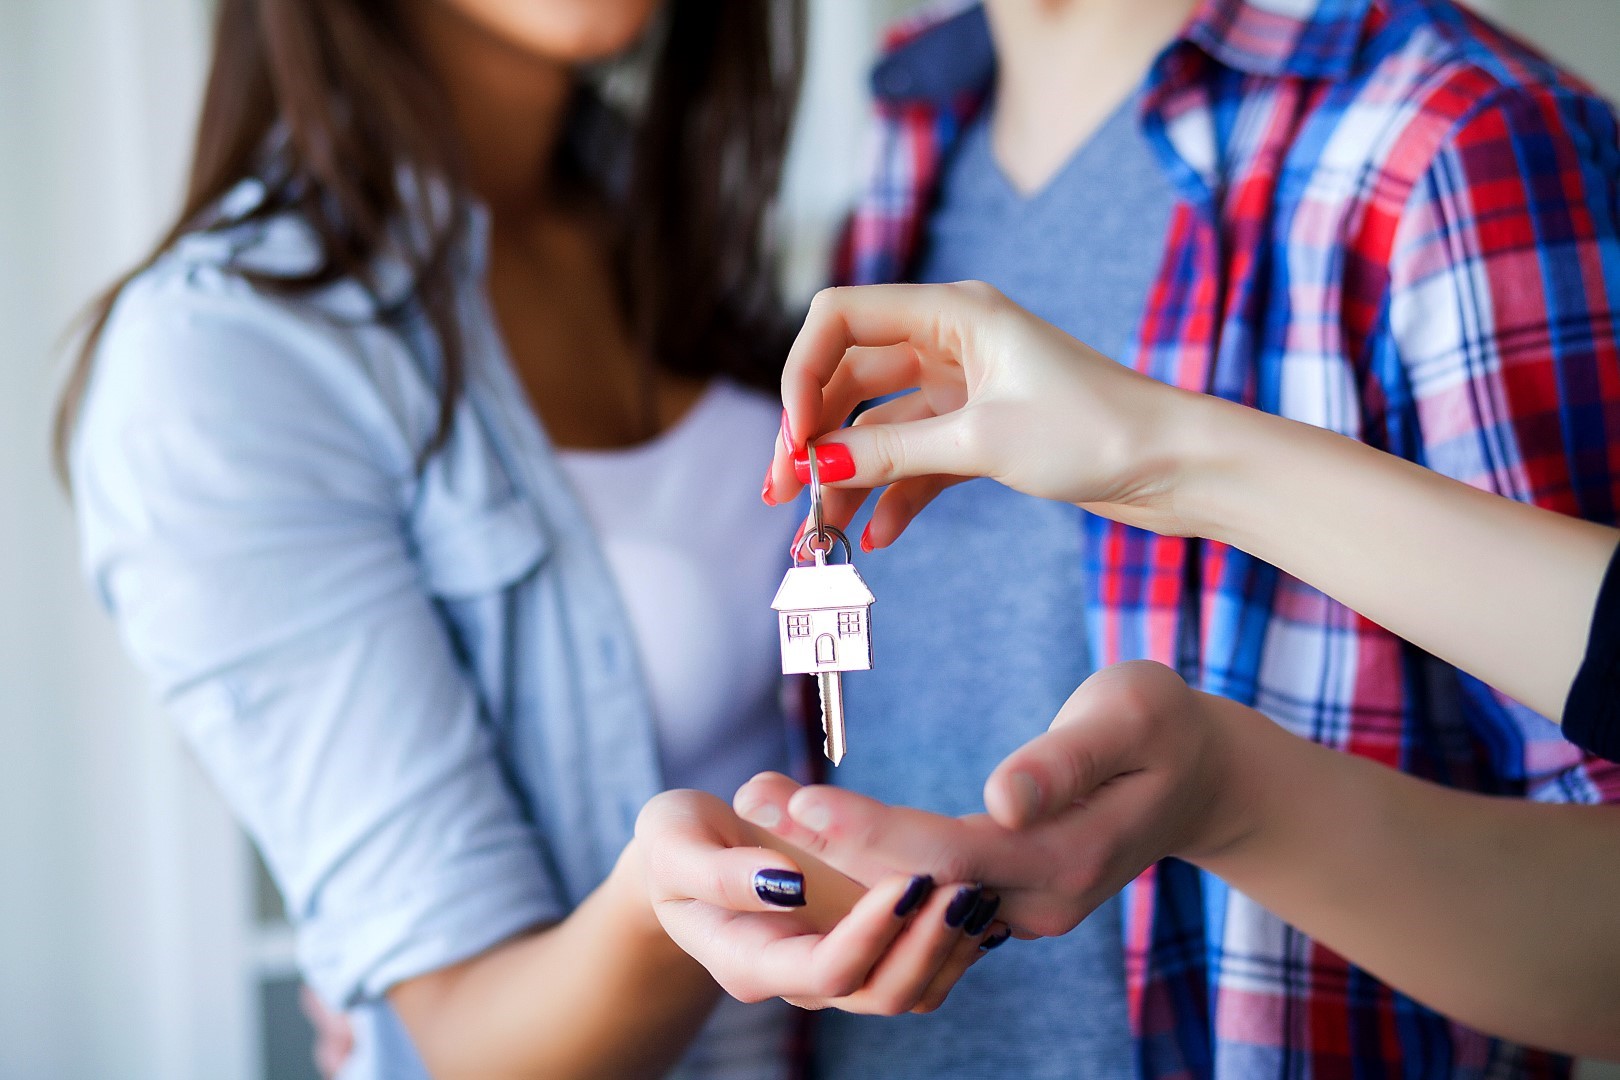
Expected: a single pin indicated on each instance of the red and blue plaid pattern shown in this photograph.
(1397, 223)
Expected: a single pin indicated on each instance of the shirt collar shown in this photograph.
(943, 56)
(937, 58)
(1307, 39)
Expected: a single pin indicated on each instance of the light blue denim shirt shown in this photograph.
(416, 686)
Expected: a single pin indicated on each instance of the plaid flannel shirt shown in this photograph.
(1397, 223)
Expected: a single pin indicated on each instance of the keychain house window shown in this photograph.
(823, 619)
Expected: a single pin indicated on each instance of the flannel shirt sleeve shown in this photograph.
(1504, 288)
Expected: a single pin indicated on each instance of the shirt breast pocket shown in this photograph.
(475, 567)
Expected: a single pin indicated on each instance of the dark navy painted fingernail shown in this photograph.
(981, 915)
(995, 941)
(918, 890)
(962, 905)
(784, 888)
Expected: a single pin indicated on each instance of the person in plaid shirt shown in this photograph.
(1397, 223)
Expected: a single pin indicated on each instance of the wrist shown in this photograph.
(1244, 751)
(1214, 447)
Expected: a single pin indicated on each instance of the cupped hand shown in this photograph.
(768, 921)
(998, 393)
(1133, 769)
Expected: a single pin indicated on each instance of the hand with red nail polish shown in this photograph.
(996, 392)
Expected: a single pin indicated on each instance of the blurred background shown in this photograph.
(138, 939)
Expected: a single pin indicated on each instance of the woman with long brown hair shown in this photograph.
(409, 465)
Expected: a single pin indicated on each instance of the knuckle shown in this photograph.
(746, 992)
(714, 886)
(654, 813)
(980, 291)
(888, 452)
(839, 985)
(836, 980)
(1054, 916)
(824, 299)
(1051, 923)
(1075, 765)
(892, 1004)
(815, 843)
(855, 827)
(951, 865)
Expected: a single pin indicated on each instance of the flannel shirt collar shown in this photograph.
(948, 53)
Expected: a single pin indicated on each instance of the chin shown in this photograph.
(569, 31)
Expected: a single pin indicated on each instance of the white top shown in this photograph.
(697, 557)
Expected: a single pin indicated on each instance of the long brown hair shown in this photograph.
(353, 109)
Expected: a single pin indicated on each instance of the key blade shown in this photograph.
(832, 715)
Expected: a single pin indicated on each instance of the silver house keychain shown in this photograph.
(824, 621)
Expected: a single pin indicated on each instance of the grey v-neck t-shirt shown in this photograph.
(979, 629)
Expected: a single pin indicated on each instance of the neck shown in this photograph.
(509, 106)
(1062, 66)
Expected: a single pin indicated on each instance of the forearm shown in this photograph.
(604, 993)
(1497, 588)
(1489, 910)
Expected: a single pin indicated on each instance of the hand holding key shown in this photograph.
(998, 393)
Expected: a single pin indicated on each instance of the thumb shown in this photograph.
(1096, 737)
(884, 453)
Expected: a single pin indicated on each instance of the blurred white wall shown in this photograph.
(101, 965)
(121, 886)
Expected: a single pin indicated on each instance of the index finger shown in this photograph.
(846, 829)
(926, 317)
(696, 849)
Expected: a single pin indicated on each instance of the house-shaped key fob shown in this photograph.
(824, 619)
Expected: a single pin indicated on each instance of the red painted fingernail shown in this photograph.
(765, 492)
(833, 462)
(866, 537)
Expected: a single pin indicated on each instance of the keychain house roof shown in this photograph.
(823, 619)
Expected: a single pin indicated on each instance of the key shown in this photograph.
(824, 618)
(831, 686)
(824, 624)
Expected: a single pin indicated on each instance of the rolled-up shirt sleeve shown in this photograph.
(242, 485)
(1592, 712)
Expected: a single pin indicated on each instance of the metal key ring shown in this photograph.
(806, 551)
(818, 523)
(819, 529)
